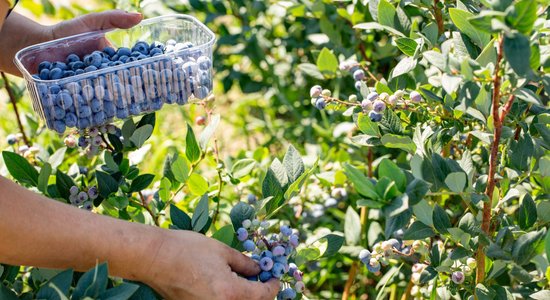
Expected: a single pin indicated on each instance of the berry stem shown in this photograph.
(13, 101)
(107, 143)
(144, 205)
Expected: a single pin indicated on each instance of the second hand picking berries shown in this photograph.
(272, 252)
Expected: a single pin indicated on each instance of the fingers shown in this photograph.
(241, 264)
(97, 21)
(257, 290)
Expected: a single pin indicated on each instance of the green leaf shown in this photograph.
(209, 131)
(523, 16)
(43, 178)
(92, 284)
(387, 15)
(197, 184)
(180, 169)
(120, 292)
(377, 26)
(295, 187)
(147, 119)
(311, 70)
(525, 247)
(241, 212)
(60, 283)
(274, 184)
(418, 231)
(424, 212)
(327, 63)
(20, 169)
(361, 183)
(293, 163)
(416, 190)
(306, 255)
(485, 19)
(56, 159)
(441, 220)
(225, 235)
(484, 293)
(352, 227)
(527, 213)
(388, 168)
(141, 135)
(141, 182)
(128, 129)
(406, 45)
(458, 253)
(398, 141)
(243, 167)
(488, 55)
(63, 183)
(461, 20)
(115, 142)
(192, 150)
(456, 181)
(367, 126)
(201, 215)
(548, 246)
(404, 66)
(7, 294)
(516, 51)
(179, 218)
(106, 184)
(334, 243)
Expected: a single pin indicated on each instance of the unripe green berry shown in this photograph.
(326, 93)
(399, 94)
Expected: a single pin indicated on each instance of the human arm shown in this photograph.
(37, 231)
(11, 39)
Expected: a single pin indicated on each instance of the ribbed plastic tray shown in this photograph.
(97, 97)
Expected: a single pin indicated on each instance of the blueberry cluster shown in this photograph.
(125, 88)
(93, 139)
(355, 69)
(385, 250)
(272, 254)
(318, 96)
(81, 198)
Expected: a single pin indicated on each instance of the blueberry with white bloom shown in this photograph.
(415, 96)
(379, 106)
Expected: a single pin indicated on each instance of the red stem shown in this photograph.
(497, 119)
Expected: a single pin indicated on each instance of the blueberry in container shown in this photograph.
(87, 80)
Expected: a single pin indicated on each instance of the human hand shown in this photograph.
(36, 33)
(188, 265)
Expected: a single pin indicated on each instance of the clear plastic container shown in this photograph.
(118, 90)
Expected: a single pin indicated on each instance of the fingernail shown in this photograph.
(134, 13)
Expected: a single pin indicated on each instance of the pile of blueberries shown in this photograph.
(126, 88)
(272, 254)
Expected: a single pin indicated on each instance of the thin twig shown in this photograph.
(13, 101)
(144, 205)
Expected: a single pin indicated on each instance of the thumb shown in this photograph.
(97, 21)
(242, 264)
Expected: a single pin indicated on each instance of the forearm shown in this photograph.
(37, 231)
(4, 8)
(17, 33)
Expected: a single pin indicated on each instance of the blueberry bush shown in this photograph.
(356, 149)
